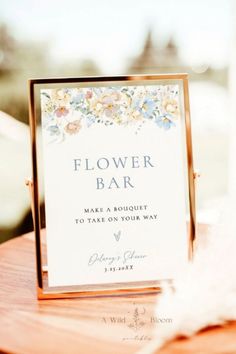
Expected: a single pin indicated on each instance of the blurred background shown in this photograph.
(73, 38)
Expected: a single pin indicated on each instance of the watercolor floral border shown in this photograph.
(68, 110)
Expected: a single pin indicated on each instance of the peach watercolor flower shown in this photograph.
(73, 127)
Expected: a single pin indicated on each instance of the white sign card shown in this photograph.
(115, 180)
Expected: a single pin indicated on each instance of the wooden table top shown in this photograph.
(102, 325)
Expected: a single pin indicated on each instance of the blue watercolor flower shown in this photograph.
(164, 121)
(78, 98)
(145, 106)
(90, 119)
(78, 101)
(54, 130)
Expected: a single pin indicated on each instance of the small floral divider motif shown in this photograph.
(66, 111)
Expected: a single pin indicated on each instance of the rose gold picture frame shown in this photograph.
(34, 183)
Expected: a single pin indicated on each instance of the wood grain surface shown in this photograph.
(99, 326)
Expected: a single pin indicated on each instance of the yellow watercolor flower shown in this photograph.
(61, 97)
(107, 104)
(171, 106)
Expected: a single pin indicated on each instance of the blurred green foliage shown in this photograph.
(20, 61)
